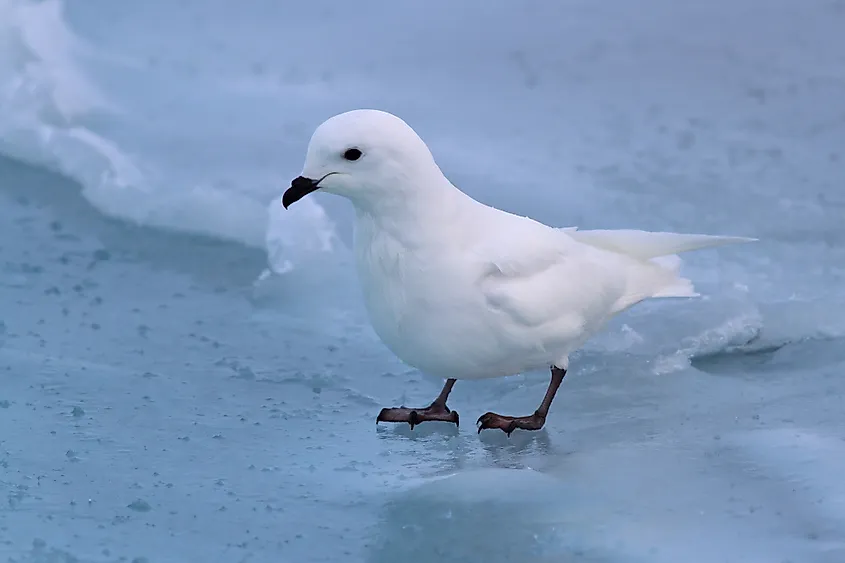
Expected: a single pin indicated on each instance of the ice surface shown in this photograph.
(162, 400)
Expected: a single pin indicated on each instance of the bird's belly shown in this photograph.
(423, 328)
(433, 316)
(446, 332)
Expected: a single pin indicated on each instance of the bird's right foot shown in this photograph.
(413, 417)
(510, 423)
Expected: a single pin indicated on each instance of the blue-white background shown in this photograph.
(186, 371)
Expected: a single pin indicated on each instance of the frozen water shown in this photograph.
(163, 400)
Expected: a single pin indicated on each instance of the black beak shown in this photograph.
(299, 188)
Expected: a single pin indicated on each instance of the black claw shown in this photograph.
(481, 423)
(413, 419)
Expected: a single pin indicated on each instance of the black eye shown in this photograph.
(352, 154)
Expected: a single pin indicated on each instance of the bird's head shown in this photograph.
(367, 156)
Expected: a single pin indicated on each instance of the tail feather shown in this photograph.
(656, 278)
(645, 245)
(657, 273)
(674, 285)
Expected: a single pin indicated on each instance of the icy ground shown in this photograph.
(154, 408)
(158, 404)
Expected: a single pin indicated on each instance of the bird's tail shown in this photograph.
(656, 272)
(645, 245)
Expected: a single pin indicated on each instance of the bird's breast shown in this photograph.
(419, 305)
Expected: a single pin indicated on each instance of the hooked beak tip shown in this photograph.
(299, 188)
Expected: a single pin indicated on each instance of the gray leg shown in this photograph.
(532, 422)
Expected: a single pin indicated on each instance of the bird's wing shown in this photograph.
(537, 275)
(646, 245)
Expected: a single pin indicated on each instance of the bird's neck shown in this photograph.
(417, 216)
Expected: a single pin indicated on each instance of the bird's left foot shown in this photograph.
(510, 423)
(415, 416)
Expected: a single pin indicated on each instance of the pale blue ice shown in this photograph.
(186, 370)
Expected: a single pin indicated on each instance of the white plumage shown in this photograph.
(462, 290)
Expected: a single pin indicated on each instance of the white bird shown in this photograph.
(461, 290)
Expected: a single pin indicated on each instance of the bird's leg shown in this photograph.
(532, 422)
(435, 411)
